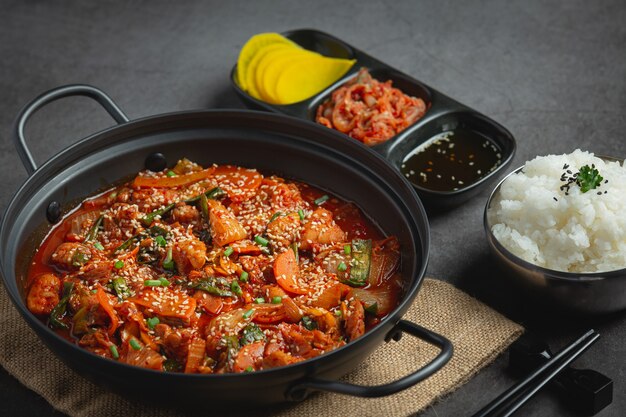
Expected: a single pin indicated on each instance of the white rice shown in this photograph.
(579, 232)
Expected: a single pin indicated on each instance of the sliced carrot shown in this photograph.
(249, 357)
(105, 303)
(228, 176)
(195, 355)
(210, 303)
(286, 272)
(177, 181)
(268, 313)
(225, 228)
(246, 247)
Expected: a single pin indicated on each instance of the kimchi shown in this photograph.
(369, 110)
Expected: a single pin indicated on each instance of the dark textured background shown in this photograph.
(554, 73)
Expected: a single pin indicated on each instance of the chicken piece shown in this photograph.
(43, 295)
(305, 343)
(189, 254)
(258, 267)
(99, 271)
(71, 255)
(321, 229)
(120, 221)
(285, 197)
(81, 297)
(87, 310)
(283, 231)
(354, 319)
(150, 199)
(185, 214)
(97, 342)
(175, 342)
(225, 228)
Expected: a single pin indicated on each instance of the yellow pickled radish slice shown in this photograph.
(268, 60)
(251, 47)
(253, 67)
(308, 77)
(275, 68)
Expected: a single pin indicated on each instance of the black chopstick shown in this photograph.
(514, 397)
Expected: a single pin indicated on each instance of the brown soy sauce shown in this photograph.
(451, 160)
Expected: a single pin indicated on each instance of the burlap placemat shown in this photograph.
(478, 333)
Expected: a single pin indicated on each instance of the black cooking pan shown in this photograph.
(272, 143)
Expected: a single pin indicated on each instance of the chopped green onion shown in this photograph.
(243, 277)
(228, 251)
(261, 240)
(119, 264)
(160, 240)
(249, 369)
(149, 218)
(259, 300)
(347, 249)
(152, 283)
(235, 288)
(171, 174)
(342, 266)
(277, 300)
(168, 263)
(152, 322)
(308, 323)
(204, 207)
(98, 246)
(164, 282)
(301, 214)
(361, 261)
(213, 194)
(121, 288)
(95, 228)
(134, 344)
(294, 247)
(275, 216)
(338, 313)
(321, 200)
(114, 352)
(248, 313)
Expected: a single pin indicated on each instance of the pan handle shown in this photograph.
(48, 97)
(301, 390)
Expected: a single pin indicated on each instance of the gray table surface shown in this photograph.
(554, 73)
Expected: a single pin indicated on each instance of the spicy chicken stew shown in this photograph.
(213, 270)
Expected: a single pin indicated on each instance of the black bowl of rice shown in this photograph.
(558, 226)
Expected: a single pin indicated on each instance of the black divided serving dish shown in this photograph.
(443, 115)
